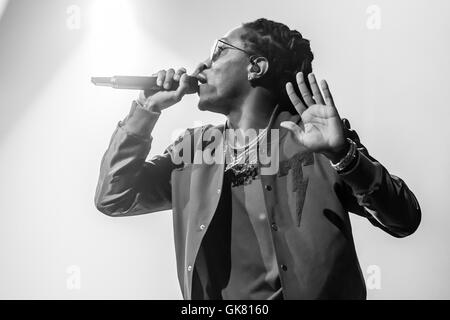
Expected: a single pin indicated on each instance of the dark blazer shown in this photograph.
(307, 204)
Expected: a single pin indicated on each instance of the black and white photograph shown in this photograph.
(224, 150)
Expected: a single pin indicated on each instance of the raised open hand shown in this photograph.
(321, 129)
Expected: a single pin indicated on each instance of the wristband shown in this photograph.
(348, 159)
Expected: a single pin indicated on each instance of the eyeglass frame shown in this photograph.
(216, 43)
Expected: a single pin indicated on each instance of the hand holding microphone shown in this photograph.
(168, 79)
(162, 90)
(164, 97)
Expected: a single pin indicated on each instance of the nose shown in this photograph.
(207, 63)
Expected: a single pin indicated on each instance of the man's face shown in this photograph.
(226, 77)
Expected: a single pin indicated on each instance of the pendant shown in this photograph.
(243, 174)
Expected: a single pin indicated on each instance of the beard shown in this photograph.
(210, 100)
(219, 100)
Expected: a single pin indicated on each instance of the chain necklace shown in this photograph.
(243, 166)
(246, 154)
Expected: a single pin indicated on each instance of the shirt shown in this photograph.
(245, 266)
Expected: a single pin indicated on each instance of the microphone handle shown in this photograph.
(141, 83)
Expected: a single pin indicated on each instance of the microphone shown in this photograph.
(141, 83)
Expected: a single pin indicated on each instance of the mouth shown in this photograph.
(202, 78)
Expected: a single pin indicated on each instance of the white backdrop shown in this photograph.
(387, 65)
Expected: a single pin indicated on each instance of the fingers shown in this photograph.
(169, 79)
(315, 89)
(326, 93)
(306, 94)
(182, 88)
(296, 101)
(178, 74)
(165, 78)
(161, 75)
(317, 94)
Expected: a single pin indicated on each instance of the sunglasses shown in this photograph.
(220, 45)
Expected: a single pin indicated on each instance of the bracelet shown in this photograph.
(153, 108)
(348, 159)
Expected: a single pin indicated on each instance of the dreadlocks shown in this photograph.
(287, 52)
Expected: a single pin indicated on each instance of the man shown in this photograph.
(240, 232)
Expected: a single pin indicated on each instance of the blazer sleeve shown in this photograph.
(128, 184)
(369, 190)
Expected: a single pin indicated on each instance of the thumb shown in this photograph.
(199, 68)
(291, 126)
(295, 129)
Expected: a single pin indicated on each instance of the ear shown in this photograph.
(258, 68)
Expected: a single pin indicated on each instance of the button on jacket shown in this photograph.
(307, 204)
